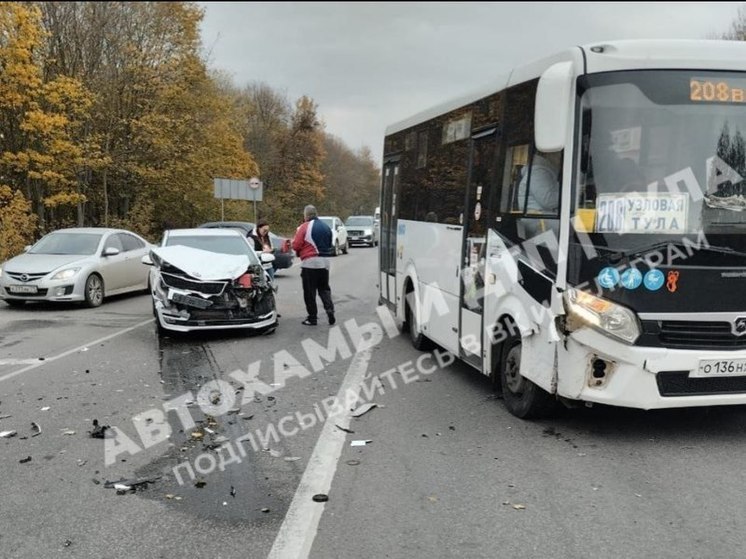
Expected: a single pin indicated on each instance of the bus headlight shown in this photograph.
(584, 309)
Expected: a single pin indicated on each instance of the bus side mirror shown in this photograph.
(553, 105)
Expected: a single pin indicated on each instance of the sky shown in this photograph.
(371, 64)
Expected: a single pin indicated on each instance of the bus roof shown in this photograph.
(605, 56)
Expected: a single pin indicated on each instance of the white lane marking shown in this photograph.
(19, 361)
(298, 530)
(74, 350)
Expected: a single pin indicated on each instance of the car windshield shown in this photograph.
(359, 221)
(328, 220)
(67, 243)
(223, 244)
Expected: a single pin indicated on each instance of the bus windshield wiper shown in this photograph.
(617, 256)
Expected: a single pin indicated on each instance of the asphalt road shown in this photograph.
(447, 472)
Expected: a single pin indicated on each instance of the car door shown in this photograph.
(113, 268)
(341, 232)
(136, 274)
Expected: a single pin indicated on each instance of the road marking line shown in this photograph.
(74, 350)
(298, 530)
(18, 361)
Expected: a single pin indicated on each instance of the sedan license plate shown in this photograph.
(720, 368)
(23, 289)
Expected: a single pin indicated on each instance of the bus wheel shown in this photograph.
(418, 339)
(522, 397)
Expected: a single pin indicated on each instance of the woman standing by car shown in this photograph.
(262, 242)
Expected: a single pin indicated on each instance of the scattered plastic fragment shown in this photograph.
(291, 458)
(200, 484)
(99, 431)
(233, 492)
(82, 462)
(7, 434)
(25, 460)
(199, 435)
(68, 432)
(131, 484)
(265, 509)
(320, 498)
(519, 507)
(353, 462)
(5, 416)
(344, 429)
(360, 443)
(36, 429)
(365, 408)
(275, 453)
(45, 408)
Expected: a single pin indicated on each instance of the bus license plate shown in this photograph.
(23, 289)
(720, 368)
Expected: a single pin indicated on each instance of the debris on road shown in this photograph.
(199, 484)
(7, 434)
(360, 443)
(125, 485)
(353, 462)
(99, 431)
(46, 408)
(198, 435)
(25, 460)
(233, 492)
(265, 509)
(320, 498)
(519, 507)
(68, 432)
(291, 458)
(36, 429)
(365, 408)
(82, 462)
(343, 429)
(5, 416)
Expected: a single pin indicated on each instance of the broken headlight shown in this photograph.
(584, 309)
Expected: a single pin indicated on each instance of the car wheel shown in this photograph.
(522, 397)
(336, 248)
(14, 303)
(346, 248)
(94, 291)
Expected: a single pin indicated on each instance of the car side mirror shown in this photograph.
(27, 248)
(147, 260)
(111, 251)
(266, 257)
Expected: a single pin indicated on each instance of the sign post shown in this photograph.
(256, 188)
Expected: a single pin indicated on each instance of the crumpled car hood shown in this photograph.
(203, 264)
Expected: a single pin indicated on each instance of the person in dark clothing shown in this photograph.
(313, 243)
(262, 242)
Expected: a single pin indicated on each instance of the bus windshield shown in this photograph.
(661, 153)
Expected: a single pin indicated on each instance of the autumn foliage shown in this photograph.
(110, 116)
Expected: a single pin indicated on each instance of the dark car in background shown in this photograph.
(283, 252)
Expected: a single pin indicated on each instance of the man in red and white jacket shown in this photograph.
(313, 243)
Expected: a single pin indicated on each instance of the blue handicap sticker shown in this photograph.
(631, 279)
(653, 280)
(608, 277)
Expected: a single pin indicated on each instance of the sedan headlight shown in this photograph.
(66, 274)
(584, 309)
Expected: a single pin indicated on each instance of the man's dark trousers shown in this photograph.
(316, 280)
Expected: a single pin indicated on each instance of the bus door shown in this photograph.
(482, 177)
(387, 250)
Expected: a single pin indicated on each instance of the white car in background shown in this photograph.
(362, 230)
(79, 264)
(339, 234)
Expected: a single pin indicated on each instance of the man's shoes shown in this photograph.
(332, 320)
(309, 322)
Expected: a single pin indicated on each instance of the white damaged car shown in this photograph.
(210, 279)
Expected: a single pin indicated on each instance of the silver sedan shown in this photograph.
(79, 264)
